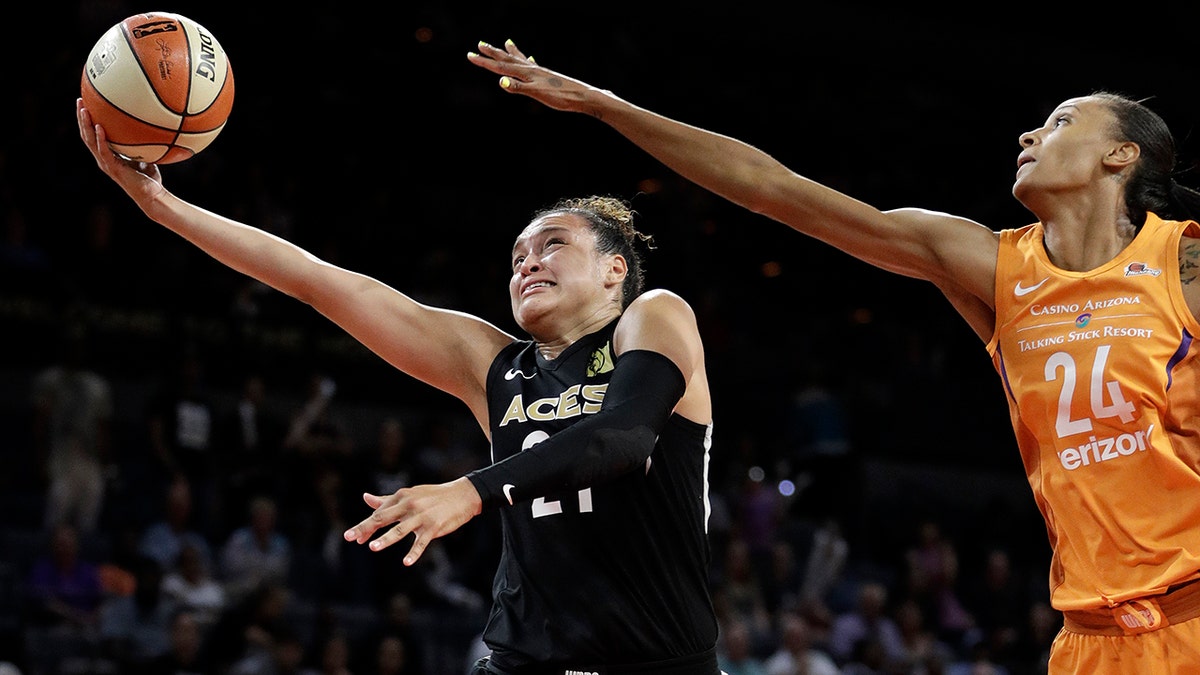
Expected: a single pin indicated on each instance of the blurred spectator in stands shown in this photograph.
(258, 552)
(757, 511)
(868, 621)
(979, 661)
(63, 596)
(396, 625)
(187, 654)
(332, 655)
(135, 630)
(925, 653)
(249, 443)
(192, 586)
(72, 419)
(317, 438)
(247, 628)
(317, 444)
(389, 467)
(390, 657)
(932, 576)
(326, 569)
(165, 538)
(443, 455)
(282, 654)
(735, 649)
(824, 565)
(866, 658)
(998, 601)
(738, 595)
(795, 653)
(181, 434)
(783, 581)
(1031, 653)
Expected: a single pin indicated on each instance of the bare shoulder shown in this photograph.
(659, 320)
(660, 299)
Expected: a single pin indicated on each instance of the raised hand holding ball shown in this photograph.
(161, 86)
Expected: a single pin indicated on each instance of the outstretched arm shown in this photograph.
(957, 254)
(448, 350)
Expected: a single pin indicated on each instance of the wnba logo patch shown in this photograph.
(601, 361)
(1137, 269)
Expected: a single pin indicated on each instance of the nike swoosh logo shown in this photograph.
(513, 372)
(1020, 290)
(508, 492)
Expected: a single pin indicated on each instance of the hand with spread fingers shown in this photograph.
(425, 511)
(520, 74)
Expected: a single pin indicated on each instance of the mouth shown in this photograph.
(535, 285)
(1023, 160)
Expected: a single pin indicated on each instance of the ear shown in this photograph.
(1122, 155)
(618, 267)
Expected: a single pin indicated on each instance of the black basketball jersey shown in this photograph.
(612, 574)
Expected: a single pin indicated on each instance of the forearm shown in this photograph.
(727, 166)
(640, 398)
(243, 248)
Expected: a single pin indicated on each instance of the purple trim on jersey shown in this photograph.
(1004, 373)
(1185, 345)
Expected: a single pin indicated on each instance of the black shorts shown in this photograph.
(704, 663)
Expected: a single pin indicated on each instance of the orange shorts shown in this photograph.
(1148, 636)
(1171, 650)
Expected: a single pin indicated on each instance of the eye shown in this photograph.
(517, 261)
(1060, 120)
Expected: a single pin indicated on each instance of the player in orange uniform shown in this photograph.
(1089, 314)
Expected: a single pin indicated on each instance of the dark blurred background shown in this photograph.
(363, 134)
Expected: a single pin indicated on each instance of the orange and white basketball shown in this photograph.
(161, 86)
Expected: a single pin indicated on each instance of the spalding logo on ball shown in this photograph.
(160, 85)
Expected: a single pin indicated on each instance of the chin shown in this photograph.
(1023, 194)
(528, 317)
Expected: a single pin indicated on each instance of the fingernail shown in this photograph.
(471, 55)
(531, 59)
(409, 560)
(349, 534)
(508, 43)
(483, 45)
(505, 83)
(375, 545)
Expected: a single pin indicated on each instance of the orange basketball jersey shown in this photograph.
(1102, 379)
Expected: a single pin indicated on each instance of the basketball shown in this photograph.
(161, 86)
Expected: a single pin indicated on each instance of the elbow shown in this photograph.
(622, 451)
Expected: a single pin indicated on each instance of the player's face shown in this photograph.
(556, 271)
(1066, 153)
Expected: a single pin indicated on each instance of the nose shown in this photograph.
(1027, 139)
(529, 265)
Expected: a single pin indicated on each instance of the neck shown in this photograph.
(1083, 237)
(551, 347)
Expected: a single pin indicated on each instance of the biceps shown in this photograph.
(937, 247)
(448, 350)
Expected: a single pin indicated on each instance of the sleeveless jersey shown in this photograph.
(612, 574)
(1103, 387)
